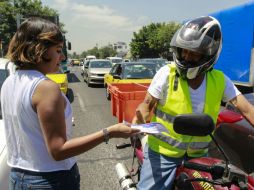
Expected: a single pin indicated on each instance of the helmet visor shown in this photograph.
(194, 59)
(192, 40)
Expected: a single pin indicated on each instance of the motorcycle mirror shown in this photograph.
(193, 124)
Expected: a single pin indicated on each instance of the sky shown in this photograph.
(102, 22)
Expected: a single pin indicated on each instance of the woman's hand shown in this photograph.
(121, 130)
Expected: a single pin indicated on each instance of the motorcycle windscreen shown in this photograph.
(238, 144)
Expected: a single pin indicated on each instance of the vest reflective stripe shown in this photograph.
(182, 145)
(164, 116)
(198, 145)
(174, 142)
(171, 141)
(179, 102)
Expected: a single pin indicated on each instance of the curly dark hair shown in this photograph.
(31, 41)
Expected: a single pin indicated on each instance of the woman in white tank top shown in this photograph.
(38, 118)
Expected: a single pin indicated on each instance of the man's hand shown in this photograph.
(143, 111)
(140, 119)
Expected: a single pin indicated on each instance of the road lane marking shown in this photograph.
(81, 103)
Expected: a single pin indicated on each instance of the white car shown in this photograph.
(94, 71)
(90, 57)
(115, 60)
(6, 68)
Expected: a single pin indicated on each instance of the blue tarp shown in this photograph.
(238, 30)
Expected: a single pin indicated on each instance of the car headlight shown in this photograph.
(93, 74)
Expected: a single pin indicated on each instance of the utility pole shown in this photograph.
(14, 6)
(18, 16)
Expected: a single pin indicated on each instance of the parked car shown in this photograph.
(61, 79)
(90, 57)
(6, 68)
(94, 70)
(158, 61)
(237, 138)
(126, 60)
(75, 62)
(115, 60)
(129, 72)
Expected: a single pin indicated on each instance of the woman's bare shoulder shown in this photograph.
(46, 90)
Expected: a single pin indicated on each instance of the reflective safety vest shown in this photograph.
(178, 101)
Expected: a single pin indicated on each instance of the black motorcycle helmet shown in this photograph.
(201, 35)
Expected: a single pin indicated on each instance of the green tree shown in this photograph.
(140, 44)
(106, 51)
(94, 51)
(164, 36)
(7, 23)
(11, 10)
(75, 55)
(153, 40)
(83, 54)
(101, 53)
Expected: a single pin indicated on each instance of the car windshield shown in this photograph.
(3, 75)
(159, 62)
(100, 64)
(139, 71)
(116, 60)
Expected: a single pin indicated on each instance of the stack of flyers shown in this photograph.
(150, 128)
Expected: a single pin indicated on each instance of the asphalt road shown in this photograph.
(92, 112)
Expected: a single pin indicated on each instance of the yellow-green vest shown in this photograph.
(178, 101)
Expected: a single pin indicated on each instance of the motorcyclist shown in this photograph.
(189, 85)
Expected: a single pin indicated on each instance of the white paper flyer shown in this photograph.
(151, 128)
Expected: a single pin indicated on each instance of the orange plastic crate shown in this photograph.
(125, 97)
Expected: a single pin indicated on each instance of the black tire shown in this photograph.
(107, 93)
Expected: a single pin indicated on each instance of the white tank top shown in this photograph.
(25, 143)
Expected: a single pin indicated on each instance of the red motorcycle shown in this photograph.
(205, 173)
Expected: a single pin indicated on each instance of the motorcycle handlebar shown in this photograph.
(216, 170)
(195, 166)
(124, 145)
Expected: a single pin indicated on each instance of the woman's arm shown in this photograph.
(49, 104)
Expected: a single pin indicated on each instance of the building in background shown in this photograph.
(121, 49)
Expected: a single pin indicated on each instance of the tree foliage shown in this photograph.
(11, 10)
(102, 53)
(7, 23)
(107, 51)
(153, 40)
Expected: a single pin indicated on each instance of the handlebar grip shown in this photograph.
(216, 170)
(195, 166)
(124, 145)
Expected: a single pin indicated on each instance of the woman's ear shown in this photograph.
(45, 57)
